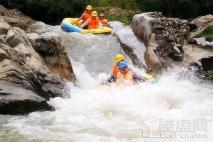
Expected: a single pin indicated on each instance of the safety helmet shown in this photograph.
(118, 58)
(94, 13)
(89, 7)
(122, 65)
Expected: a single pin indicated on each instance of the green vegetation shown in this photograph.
(178, 8)
(50, 11)
(117, 14)
(208, 74)
(117, 10)
(208, 32)
(123, 4)
(53, 11)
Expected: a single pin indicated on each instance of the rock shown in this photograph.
(202, 43)
(202, 22)
(33, 66)
(38, 27)
(144, 21)
(191, 40)
(116, 25)
(20, 102)
(132, 46)
(192, 26)
(151, 58)
(163, 38)
(194, 55)
(18, 72)
(49, 47)
(207, 63)
(209, 39)
(4, 27)
(12, 39)
(14, 17)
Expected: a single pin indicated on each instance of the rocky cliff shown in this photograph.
(168, 41)
(33, 66)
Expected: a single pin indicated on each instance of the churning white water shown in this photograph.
(175, 108)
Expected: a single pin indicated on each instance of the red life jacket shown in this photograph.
(94, 23)
(86, 16)
(104, 22)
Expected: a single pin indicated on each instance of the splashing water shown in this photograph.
(137, 113)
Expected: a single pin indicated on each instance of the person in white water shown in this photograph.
(122, 73)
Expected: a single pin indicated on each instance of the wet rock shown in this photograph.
(130, 44)
(12, 39)
(49, 47)
(192, 26)
(207, 63)
(33, 66)
(194, 54)
(14, 17)
(141, 26)
(21, 102)
(209, 39)
(151, 58)
(202, 43)
(202, 22)
(25, 72)
(164, 39)
(4, 27)
(38, 27)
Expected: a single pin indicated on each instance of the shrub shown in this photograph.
(50, 11)
(208, 32)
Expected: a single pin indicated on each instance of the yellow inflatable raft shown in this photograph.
(72, 25)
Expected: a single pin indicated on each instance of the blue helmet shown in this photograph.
(122, 65)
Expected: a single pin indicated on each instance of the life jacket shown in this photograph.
(86, 16)
(94, 23)
(104, 22)
(122, 77)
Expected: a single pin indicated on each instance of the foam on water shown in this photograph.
(129, 113)
(115, 113)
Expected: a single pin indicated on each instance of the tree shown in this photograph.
(178, 8)
(50, 11)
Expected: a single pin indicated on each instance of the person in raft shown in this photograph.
(103, 21)
(86, 15)
(93, 22)
(121, 73)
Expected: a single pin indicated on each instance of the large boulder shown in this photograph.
(49, 47)
(15, 17)
(167, 41)
(24, 78)
(202, 22)
(34, 68)
(204, 44)
(4, 27)
(204, 40)
(130, 44)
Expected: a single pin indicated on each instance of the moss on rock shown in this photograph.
(207, 32)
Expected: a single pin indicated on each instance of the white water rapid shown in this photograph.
(174, 109)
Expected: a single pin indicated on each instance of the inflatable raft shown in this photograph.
(68, 26)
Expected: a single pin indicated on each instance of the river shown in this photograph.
(178, 107)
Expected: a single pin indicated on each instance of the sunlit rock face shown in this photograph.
(130, 44)
(167, 41)
(33, 66)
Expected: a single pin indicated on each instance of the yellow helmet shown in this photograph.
(94, 13)
(89, 7)
(118, 58)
